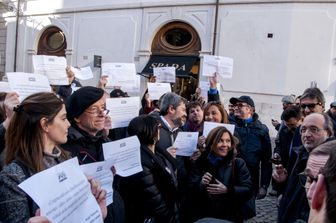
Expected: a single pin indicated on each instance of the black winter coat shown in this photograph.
(294, 203)
(88, 149)
(85, 147)
(255, 149)
(152, 193)
(224, 206)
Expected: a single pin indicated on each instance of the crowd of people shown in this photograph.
(219, 182)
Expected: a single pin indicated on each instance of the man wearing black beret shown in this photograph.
(86, 111)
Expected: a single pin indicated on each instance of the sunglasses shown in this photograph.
(309, 106)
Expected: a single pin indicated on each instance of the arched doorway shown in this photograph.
(177, 44)
(52, 42)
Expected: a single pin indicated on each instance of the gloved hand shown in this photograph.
(262, 193)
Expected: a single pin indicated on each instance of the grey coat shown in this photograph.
(14, 202)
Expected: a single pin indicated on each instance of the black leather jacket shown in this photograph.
(152, 193)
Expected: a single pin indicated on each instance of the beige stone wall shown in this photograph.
(3, 34)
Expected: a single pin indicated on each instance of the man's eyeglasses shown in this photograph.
(96, 111)
(306, 180)
(309, 106)
(312, 129)
(240, 105)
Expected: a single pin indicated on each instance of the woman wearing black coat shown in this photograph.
(151, 195)
(220, 181)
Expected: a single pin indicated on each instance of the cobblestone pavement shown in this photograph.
(266, 211)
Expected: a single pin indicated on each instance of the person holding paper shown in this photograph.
(151, 195)
(38, 126)
(255, 143)
(220, 181)
(66, 90)
(87, 113)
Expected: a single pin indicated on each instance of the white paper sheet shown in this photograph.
(4, 87)
(186, 143)
(101, 171)
(222, 65)
(156, 90)
(122, 110)
(53, 67)
(26, 84)
(119, 74)
(63, 194)
(126, 155)
(84, 73)
(165, 74)
(208, 126)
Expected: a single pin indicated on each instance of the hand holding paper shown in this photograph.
(71, 199)
(186, 143)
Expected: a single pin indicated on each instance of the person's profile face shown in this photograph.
(314, 165)
(58, 128)
(179, 115)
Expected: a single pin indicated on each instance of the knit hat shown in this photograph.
(289, 99)
(81, 99)
(333, 104)
(247, 99)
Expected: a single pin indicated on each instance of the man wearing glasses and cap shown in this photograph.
(255, 143)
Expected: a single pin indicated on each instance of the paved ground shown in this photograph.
(266, 210)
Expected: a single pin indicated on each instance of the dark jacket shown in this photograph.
(333, 119)
(224, 206)
(2, 137)
(86, 147)
(255, 149)
(294, 203)
(287, 139)
(152, 193)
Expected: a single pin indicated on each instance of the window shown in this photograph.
(52, 42)
(176, 38)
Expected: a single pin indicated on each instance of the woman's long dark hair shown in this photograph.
(214, 137)
(24, 136)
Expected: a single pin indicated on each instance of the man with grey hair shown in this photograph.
(173, 115)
